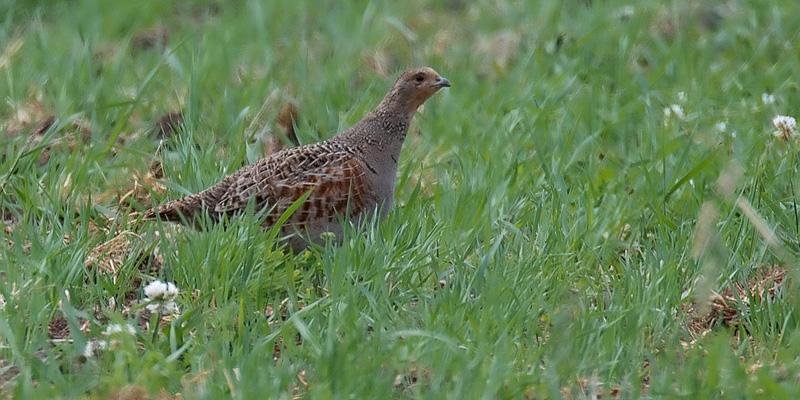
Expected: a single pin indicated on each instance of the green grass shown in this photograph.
(542, 240)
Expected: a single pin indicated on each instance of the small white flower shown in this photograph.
(94, 348)
(682, 97)
(117, 328)
(625, 12)
(721, 126)
(786, 127)
(767, 98)
(158, 290)
(161, 297)
(674, 110)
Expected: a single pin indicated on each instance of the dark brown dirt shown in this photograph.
(168, 125)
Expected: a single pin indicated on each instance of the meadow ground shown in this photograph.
(598, 206)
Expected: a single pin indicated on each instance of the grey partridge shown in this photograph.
(348, 176)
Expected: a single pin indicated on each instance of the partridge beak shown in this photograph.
(441, 82)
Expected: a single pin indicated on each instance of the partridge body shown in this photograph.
(348, 176)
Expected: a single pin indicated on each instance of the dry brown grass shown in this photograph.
(729, 306)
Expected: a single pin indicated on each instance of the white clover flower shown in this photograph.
(767, 98)
(117, 328)
(161, 297)
(625, 12)
(786, 127)
(721, 126)
(94, 348)
(682, 97)
(158, 290)
(674, 110)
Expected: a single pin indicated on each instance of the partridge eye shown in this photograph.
(419, 78)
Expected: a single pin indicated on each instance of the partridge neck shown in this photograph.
(401, 105)
(384, 128)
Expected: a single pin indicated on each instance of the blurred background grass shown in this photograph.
(547, 207)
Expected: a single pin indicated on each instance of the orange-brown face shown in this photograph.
(419, 84)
